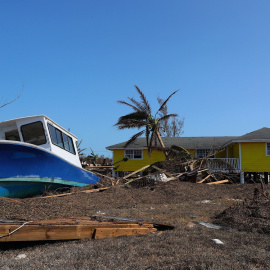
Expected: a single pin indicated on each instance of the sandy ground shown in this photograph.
(182, 204)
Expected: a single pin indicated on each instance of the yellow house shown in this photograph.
(138, 157)
(249, 153)
(252, 150)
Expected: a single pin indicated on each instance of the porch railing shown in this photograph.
(223, 164)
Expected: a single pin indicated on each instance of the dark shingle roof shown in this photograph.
(186, 142)
(260, 134)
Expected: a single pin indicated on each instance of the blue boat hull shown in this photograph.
(26, 170)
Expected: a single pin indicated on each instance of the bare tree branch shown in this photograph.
(9, 102)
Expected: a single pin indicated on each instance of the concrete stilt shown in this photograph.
(242, 178)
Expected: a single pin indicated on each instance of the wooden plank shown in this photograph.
(199, 172)
(204, 179)
(102, 175)
(40, 233)
(101, 233)
(141, 169)
(70, 229)
(70, 193)
(218, 182)
(11, 200)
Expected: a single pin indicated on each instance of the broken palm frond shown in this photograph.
(75, 228)
(218, 182)
(174, 152)
(179, 152)
(141, 169)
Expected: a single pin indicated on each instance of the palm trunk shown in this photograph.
(162, 144)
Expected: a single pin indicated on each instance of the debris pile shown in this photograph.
(168, 170)
(179, 165)
(251, 215)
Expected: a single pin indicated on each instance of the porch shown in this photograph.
(224, 164)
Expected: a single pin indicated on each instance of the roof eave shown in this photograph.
(253, 140)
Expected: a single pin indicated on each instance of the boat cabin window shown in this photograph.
(61, 139)
(12, 135)
(34, 133)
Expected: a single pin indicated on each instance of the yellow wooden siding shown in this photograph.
(192, 152)
(235, 150)
(135, 164)
(229, 151)
(221, 154)
(253, 157)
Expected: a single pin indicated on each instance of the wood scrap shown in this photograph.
(74, 228)
(82, 191)
(218, 182)
(10, 200)
(191, 166)
(204, 179)
(200, 172)
(141, 169)
(111, 178)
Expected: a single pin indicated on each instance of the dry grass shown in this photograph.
(174, 202)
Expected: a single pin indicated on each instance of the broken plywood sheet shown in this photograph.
(73, 228)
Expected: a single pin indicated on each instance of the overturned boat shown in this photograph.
(36, 154)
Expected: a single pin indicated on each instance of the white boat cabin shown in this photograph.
(42, 131)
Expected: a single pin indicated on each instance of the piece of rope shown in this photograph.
(8, 234)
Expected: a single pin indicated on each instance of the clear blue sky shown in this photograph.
(77, 58)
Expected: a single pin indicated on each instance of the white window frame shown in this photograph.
(206, 152)
(131, 153)
(267, 149)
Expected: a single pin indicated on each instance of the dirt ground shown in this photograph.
(189, 246)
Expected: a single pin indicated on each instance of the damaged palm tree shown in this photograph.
(142, 117)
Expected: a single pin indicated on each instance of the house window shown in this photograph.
(268, 149)
(133, 154)
(201, 153)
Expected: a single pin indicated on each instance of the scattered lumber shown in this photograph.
(11, 200)
(204, 179)
(141, 169)
(74, 228)
(70, 193)
(200, 172)
(103, 175)
(218, 182)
